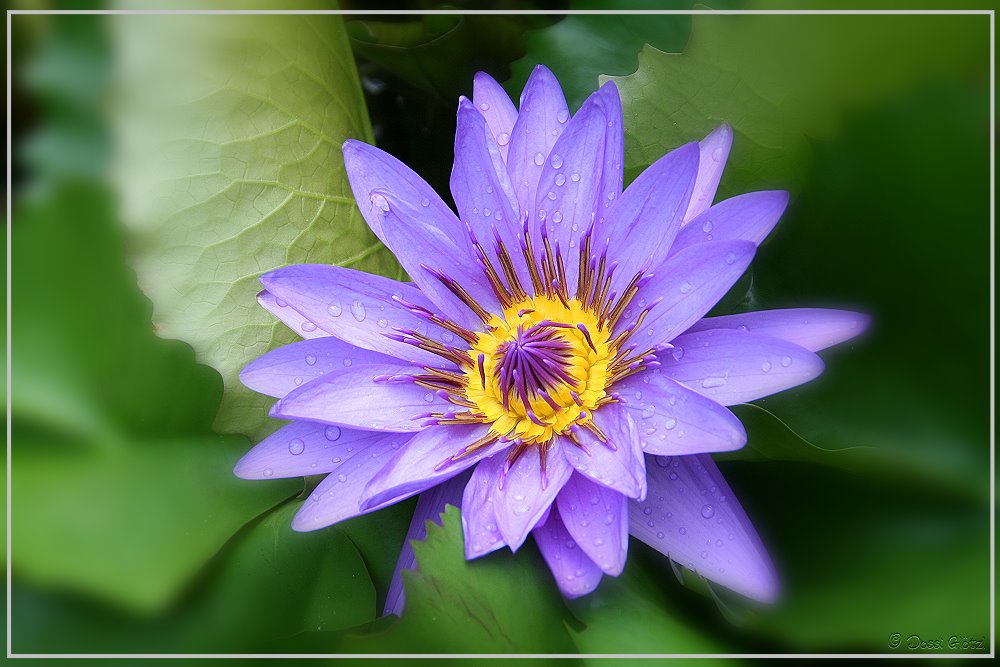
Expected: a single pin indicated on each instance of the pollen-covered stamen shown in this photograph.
(459, 291)
(416, 339)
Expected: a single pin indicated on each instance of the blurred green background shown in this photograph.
(162, 163)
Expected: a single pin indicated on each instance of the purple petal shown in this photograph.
(733, 367)
(280, 371)
(430, 507)
(613, 158)
(574, 572)
(685, 287)
(306, 448)
(479, 523)
(493, 103)
(424, 462)
(357, 307)
(814, 329)
(292, 318)
(372, 171)
(482, 189)
(338, 497)
(642, 225)
(525, 494)
(714, 152)
(674, 420)
(621, 469)
(748, 217)
(423, 249)
(351, 397)
(540, 121)
(597, 518)
(572, 183)
(692, 516)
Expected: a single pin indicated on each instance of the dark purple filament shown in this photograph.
(535, 363)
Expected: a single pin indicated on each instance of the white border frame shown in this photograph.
(992, 168)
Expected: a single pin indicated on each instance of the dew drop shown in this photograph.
(425, 202)
(503, 138)
(677, 353)
(296, 447)
(730, 257)
(297, 381)
(574, 177)
(685, 287)
(557, 217)
(712, 382)
(562, 116)
(560, 179)
(308, 327)
(669, 424)
(648, 411)
(334, 309)
(556, 161)
(380, 202)
(647, 511)
(348, 361)
(332, 433)
(281, 304)
(786, 361)
(766, 366)
(267, 472)
(706, 226)
(539, 159)
(672, 475)
(484, 106)
(383, 323)
(717, 154)
(341, 478)
(704, 554)
(707, 511)
(682, 530)
(429, 397)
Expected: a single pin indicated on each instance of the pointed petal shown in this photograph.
(292, 318)
(481, 188)
(674, 420)
(430, 506)
(357, 307)
(643, 224)
(493, 103)
(621, 469)
(597, 518)
(306, 448)
(280, 371)
(479, 523)
(371, 170)
(814, 329)
(572, 185)
(423, 249)
(692, 516)
(733, 367)
(686, 286)
(714, 152)
(540, 121)
(351, 397)
(573, 570)
(338, 497)
(525, 494)
(749, 217)
(424, 462)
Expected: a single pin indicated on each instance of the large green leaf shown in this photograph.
(780, 80)
(272, 586)
(120, 489)
(496, 604)
(232, 128)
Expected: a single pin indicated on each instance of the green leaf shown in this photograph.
(232, 167)
(120, 489)
(496, 604)
(262, 594)
(581, 47)
(629, 614)
(780, 80)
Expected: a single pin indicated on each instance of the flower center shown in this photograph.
(539, 370)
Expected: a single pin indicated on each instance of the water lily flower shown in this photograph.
(550, 369)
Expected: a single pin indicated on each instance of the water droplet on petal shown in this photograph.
(707, 511)
(341, 477)
(484, 106)
(503, 138)
(648, 411)
(574, 177)
(560, 179)
(332, 433)
(685, 287)
(706, 226)
(677, 353)
(647, 511)
(556, 161)
(669, 424)
(539, 159)
(308, 327)
(429, 397)
(712, 382)
(557, 217)
(730, 257)
(358, 311)
(682, 530)
(334, 309)
(380, 202)
(786, 361)
(310, 360)
(425, 202)
(562, 116)
(280, 303)
(766, 366)
(296, 447)
(348, 361)
(267, 472)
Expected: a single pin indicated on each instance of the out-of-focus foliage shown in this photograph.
(868, 486)
(233, 167)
